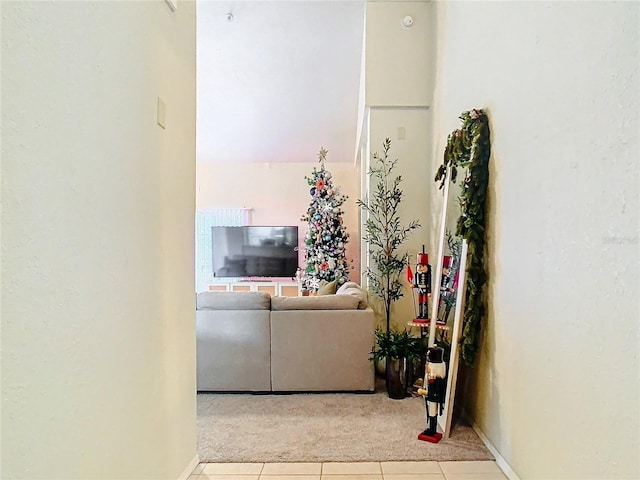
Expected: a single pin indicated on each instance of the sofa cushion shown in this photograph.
(323, 302)
(353, 289)
(327, 288)
(233, 301)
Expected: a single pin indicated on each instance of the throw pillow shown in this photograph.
(353, 289)
(327, 288)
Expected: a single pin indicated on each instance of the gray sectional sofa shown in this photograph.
(251, 342)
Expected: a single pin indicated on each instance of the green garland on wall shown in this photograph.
(470, 147)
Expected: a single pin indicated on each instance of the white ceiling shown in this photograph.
(278, 81)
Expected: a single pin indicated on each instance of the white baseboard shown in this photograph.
(192, 465)
(500, 461)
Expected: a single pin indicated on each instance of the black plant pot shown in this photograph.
(396, 377)
(415, 371)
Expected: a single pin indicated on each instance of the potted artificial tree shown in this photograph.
(397, 349)
(385, 234)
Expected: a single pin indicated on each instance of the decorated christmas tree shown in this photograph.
(326, 239)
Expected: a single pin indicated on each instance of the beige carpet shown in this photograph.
(323, 428)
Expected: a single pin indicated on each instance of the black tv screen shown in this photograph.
(254, 251)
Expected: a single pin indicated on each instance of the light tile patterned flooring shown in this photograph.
(486, 470)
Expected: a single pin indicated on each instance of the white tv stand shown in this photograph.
(274, 288)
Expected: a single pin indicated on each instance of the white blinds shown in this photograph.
(205, 219)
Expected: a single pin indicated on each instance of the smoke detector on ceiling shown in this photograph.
(229, 17)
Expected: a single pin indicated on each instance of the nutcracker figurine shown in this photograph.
(433, 392)
(447, 292)
(447, 267)
(422, 282)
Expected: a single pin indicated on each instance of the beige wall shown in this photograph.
(412, 165)
(279, 195)
(398, 92)
(98, 350)
(398, 60)
(557, 382)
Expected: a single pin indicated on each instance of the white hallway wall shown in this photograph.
(98, 348)
(557, 382)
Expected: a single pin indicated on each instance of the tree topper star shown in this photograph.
(322, 156)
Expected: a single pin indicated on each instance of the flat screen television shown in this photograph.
(254, 251)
